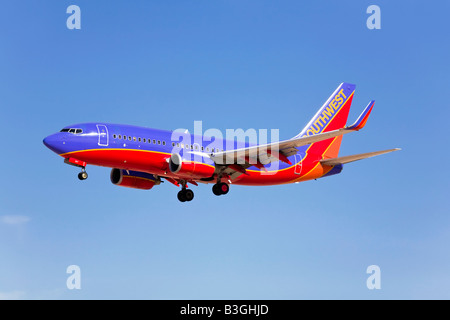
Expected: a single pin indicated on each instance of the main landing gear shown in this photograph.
(83, 174)
(185, 195)
(220, 188)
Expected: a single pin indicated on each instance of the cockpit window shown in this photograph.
(72, 130)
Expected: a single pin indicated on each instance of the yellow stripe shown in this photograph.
(142, 178)
(333, 117)
(339, 110)
(318, 163)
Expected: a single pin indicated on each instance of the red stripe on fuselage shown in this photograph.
(156, 163)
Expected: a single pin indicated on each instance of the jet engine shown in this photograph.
(133, 179)
(191, 169)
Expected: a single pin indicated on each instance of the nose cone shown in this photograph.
(47, 141)
(54, 143)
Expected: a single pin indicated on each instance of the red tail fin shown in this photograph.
(331, 116)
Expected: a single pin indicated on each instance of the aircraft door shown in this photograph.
(298, 164)
(103, 139)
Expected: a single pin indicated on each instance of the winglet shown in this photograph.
(362, 119)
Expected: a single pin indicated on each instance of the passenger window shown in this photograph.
(129, 138)
(178, 145)
(203, 148)
(145, 140)
(154, 141)
(120, 136)
(139, 139)
(159, 141)
(173, 144)
(164, 143)
(207, 149)
(114, 136)
(134, 138)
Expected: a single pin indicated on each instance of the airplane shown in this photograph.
(142, 157)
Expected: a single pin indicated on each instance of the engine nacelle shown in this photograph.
(133, 179)
(190, 169)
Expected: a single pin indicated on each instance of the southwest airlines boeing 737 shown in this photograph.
(141, 157)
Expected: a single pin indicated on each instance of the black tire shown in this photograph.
(216, 189)
(189, 195)
(82, 175)
(224, 188)
(182, 196)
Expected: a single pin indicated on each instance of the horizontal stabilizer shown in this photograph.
(347, 159)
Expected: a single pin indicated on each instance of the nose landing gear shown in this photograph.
(83, 174)
(80, 164)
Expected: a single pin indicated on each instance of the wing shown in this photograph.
(238, 160)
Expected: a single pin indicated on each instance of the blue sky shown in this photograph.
(231, 64)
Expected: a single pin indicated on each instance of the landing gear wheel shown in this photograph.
(182, 196)
(224, 188)
(220, 188)
(189, 195)
(83, 175)
(185, 195)
(216, 190)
